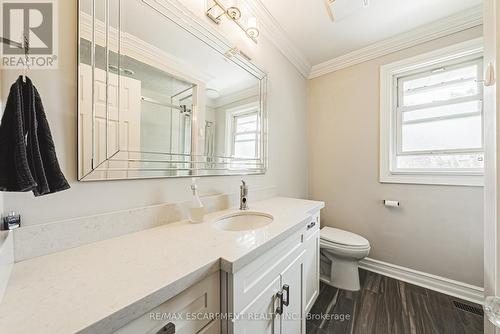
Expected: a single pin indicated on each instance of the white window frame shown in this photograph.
(472, 49)
(231, 115)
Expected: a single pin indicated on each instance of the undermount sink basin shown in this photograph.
(243, 221)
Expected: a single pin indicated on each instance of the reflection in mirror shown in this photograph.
(155, 100)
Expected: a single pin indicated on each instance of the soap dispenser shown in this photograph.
(196, 210)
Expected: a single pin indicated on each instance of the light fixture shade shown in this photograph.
(234, 13)
(366, 3)
(252, 27)
(253, 33)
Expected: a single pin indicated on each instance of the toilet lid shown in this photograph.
(342, 237)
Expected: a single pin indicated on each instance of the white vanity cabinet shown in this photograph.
(270, 295)
(273, 293)
(190, 312)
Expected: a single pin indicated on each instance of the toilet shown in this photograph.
(341, 252)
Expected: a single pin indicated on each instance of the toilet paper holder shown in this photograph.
(391, 204)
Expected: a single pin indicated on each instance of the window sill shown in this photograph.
(434, 179)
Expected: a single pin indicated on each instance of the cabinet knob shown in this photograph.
(311, 225)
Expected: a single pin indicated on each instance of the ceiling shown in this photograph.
(309, 27)
(179, 47)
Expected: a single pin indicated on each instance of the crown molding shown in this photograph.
(464, 20)
(138, 49)
(275, 33)
(236, 96)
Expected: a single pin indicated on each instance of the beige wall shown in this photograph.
(287, 115)
(438, 229)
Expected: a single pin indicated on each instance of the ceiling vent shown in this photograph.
(340, 9)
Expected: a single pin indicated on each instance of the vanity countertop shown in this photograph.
(92, 288)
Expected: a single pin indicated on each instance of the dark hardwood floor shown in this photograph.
(388, 306)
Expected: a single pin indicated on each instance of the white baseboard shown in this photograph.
(432, 282)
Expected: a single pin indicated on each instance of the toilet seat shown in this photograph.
(335, 237)
(331, 245)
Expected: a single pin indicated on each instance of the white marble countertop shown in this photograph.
(99, 287)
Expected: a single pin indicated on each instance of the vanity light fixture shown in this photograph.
(216, 10)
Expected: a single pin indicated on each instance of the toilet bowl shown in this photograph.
(342, 251)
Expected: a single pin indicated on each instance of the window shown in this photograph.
(245, 135)
(243, 131)
(432, 120)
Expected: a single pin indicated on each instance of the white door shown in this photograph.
(115, 128)
(311, 263)
(124, 123)
(492, 157)
(293, 286)
(259, 316)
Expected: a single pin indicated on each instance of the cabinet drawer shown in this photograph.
(312, 227)
(182, 311)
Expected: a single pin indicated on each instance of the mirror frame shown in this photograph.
(185, 19)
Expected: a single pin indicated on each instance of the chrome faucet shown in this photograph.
(243, 196)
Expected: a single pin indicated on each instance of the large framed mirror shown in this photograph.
(170, 98)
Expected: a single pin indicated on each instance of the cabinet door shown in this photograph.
(311, 263)
(292, 279)
(259, 316)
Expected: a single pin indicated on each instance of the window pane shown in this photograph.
(246, 127)
(440, 77)
(245, 137)
(448, 134)
(439, 119)
(443, 86)
(246, 123)
(463, 89)
(457, 161)
(244, 149)
(443, 111)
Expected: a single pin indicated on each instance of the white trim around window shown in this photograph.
(231, 114)
(388, 110)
